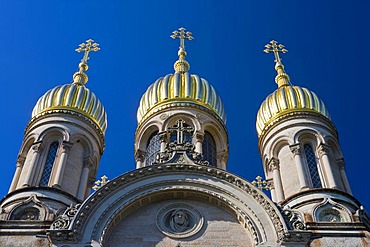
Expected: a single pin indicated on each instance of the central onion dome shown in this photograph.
(287, 98)
(180, 89)
(75, 96)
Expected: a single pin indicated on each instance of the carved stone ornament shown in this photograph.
(331, 211)
(179, 220)
(293, 219)
(63, 221)
(183, 153)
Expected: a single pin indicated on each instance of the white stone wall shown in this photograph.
(139, 229)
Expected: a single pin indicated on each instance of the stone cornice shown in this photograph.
(31, 124)
(292, 116)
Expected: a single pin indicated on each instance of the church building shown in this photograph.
(180, 193)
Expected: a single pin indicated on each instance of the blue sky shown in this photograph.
(328, 53)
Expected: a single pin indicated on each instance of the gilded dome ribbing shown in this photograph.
(180, 87)
(288, 99)
(74, 97)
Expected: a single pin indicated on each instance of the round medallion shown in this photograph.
(179, 220)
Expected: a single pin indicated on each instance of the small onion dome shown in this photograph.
(180, 87)
(287, 99)
(74, 97)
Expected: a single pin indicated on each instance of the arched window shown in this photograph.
(52, 153)
(152, 148)
(312, 165)
(209, 149)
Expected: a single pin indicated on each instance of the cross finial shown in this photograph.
(80, 77)
(180, 129)
(181, 65)
(274, 47)
(260, 184)
(282, 79)
(87, 47)
(100, 183)
(182, 35)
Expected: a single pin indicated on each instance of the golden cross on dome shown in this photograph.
(274, 47)
(100, 183)
(182, 35)
(180, 129)
(260, 184)
(87, 47)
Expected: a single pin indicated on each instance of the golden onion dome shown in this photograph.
(287, 98)
(180, 88)
(75, 96)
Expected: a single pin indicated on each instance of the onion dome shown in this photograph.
(287, 98)
(180, 88)
(75, 96)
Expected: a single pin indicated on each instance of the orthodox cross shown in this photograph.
(260, 184)
(274, 47)
(90, 45)
(182, 35)
(100, 183)
(180, 129)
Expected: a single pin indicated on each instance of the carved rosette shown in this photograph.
(179, 220)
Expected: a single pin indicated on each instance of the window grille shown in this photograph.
(153, 147)
(49, 164)
(209, 149)
(312, 165)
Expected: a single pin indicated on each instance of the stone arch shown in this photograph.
(143, 137)
(30, 209)
(130, 191)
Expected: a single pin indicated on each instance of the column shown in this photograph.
(58, 177)
(323, 151)
(84, 179)
(199, 138)
(139, 158)
(163, 138)
(222, 159)
(274, 167)
(296, 150)
(342, 166)
(270, 184)
(18, 171)
(36, 148)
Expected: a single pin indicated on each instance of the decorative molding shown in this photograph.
(301, 237)
(341, 163)
(66, 146)
(296, 149)
(273, 164)
(262, 141)
(30, 126)
(92, 202)
(37, 147)
(323, 149)
(63, 221)
(294, 219)
(139, 155)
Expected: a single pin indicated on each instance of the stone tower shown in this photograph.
(60, 153)
(302, 158)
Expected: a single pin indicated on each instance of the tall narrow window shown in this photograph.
(312, 165)
(209, 149)
(153, 147)
(52, 153)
